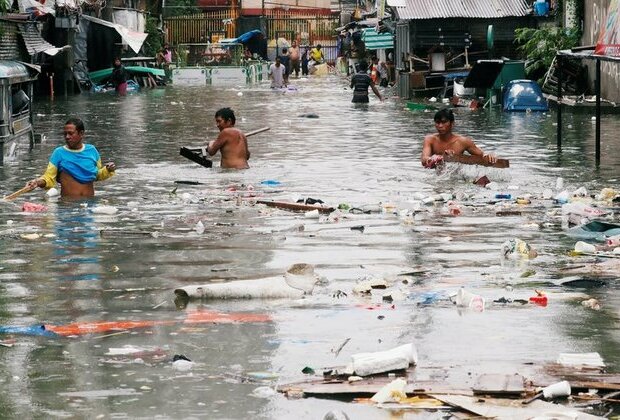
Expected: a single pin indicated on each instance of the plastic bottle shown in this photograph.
(584, 247)
(562, 197)
(503, 196)
(613, 240)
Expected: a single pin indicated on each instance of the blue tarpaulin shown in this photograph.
(242, 39)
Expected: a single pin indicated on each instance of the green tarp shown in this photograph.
(376, 41)
(99, 75)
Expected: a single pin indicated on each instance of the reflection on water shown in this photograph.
(76, 242)
(88, 267)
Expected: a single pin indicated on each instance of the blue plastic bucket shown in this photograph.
(541, 8)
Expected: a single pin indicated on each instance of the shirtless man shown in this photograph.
(231, 142)
(445, 142)
(75, 166)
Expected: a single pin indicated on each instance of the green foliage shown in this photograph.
(539, 46)
(153, 41)
(180, 8)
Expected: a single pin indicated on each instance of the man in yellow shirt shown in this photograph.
(317, 55)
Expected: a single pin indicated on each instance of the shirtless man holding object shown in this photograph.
(231, 142)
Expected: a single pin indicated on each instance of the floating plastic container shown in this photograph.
(461, 91)
(541, 8)
(524, 95)
(438, 61)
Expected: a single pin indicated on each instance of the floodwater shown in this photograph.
(92, 267)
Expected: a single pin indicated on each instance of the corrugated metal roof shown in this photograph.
(438, 9)
(32, 39)
(9, 45)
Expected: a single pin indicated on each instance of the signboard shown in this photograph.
(189, 77)
(609, 39)
(226, 76)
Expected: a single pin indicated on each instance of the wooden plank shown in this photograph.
(509, 409)
(499, 384)
(477, 160)
(295, 206)
(594, 385)
(368, 387)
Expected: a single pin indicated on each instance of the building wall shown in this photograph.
(503, 30)
(595, 12)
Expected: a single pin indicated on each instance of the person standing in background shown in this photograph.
(285, 59)
(276, 73)
(119, 77)
(294, 57)
(304, 63)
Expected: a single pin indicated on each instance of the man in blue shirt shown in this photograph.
(75, 166)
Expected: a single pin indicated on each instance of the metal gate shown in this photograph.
(202, 27)
(308, 29)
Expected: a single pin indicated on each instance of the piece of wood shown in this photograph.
(258, 130)
(17, 193)
(477, 160)
(499, 384)
(508, 409)
(295, 206)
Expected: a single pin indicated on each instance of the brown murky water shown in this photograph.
(355, 155)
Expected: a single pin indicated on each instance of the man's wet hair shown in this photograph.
(77, 122)
(226, 114)
(444, 115)
(363, 66)
(318, 47)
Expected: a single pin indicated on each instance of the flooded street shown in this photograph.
(89, 267)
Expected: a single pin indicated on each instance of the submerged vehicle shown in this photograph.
(16, 117)
(524, 95)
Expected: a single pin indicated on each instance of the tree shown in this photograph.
(539, 47)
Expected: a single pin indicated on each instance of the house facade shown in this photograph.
(442, 34)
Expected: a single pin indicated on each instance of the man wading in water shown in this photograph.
(445, 142)
(360, 83)
(231, 142)
(75, 166)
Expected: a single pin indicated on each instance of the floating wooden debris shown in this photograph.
(295, 206)
(499, 385)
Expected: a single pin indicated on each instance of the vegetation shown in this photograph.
(539, 46)
(180, 8)
(154, 39)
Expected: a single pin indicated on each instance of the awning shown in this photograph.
(35, 43)
(132, 38)
(376, 41)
